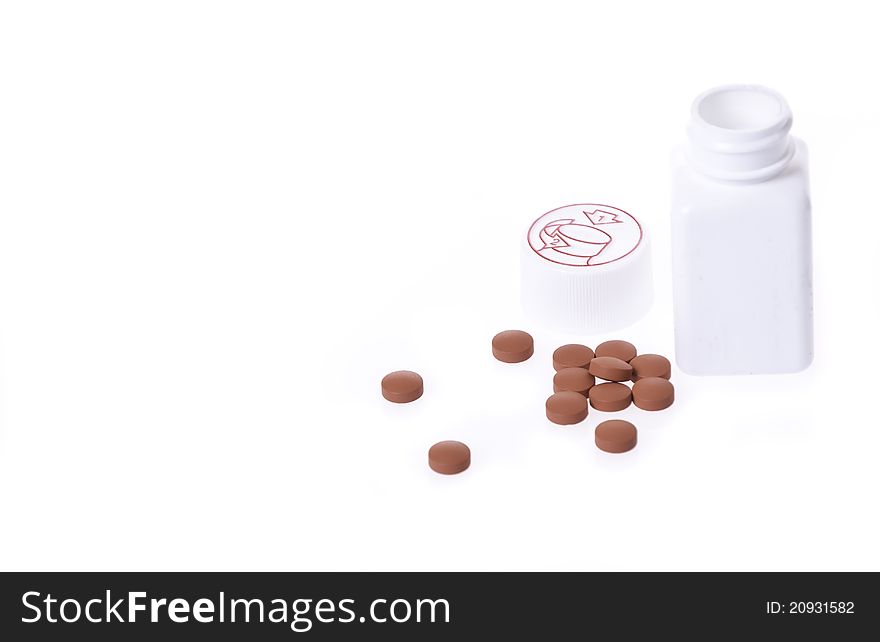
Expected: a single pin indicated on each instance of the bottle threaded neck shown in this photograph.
(740, 133)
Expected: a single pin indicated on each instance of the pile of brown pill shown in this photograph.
(615, 364)
(584, 378)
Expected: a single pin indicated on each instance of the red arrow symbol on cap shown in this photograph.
(602, 217)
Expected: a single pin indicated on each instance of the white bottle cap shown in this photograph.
(586, 269)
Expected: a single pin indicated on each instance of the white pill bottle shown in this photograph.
(741, 242)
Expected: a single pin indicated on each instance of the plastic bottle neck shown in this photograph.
(740, 133)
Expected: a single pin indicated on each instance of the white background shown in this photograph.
(222, 223)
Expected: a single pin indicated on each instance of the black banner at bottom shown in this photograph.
(429, 606)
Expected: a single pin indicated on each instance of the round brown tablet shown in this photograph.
(402, 386)
(566, 408)
(611, 369)
(449, 457)
(653, 393)
(513, 346)
(610, 397)
(616, 436)
(572, 355)
(622, 350)
(650, 365)
(573, 380)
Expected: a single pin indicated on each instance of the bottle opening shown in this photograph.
(740, 133)
(741, 108)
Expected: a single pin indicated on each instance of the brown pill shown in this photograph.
(449, 457)
(566, 408)
(653, 393)
(622, 350)
(610, 397)
(573, 380)
(513, 346)
(650, 365)
(616, 436)
(402, 386)
(572, 355)
(611, 368)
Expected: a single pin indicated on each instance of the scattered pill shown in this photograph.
(611, 369)
(650, 365)
(449, 457)
(402, 386)
(574, 390)
(566, 408)
(610, 397)
(622, 350)
(572, 355)
(616, 436)
(573, 380)
(653, 393)
(513, 346)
